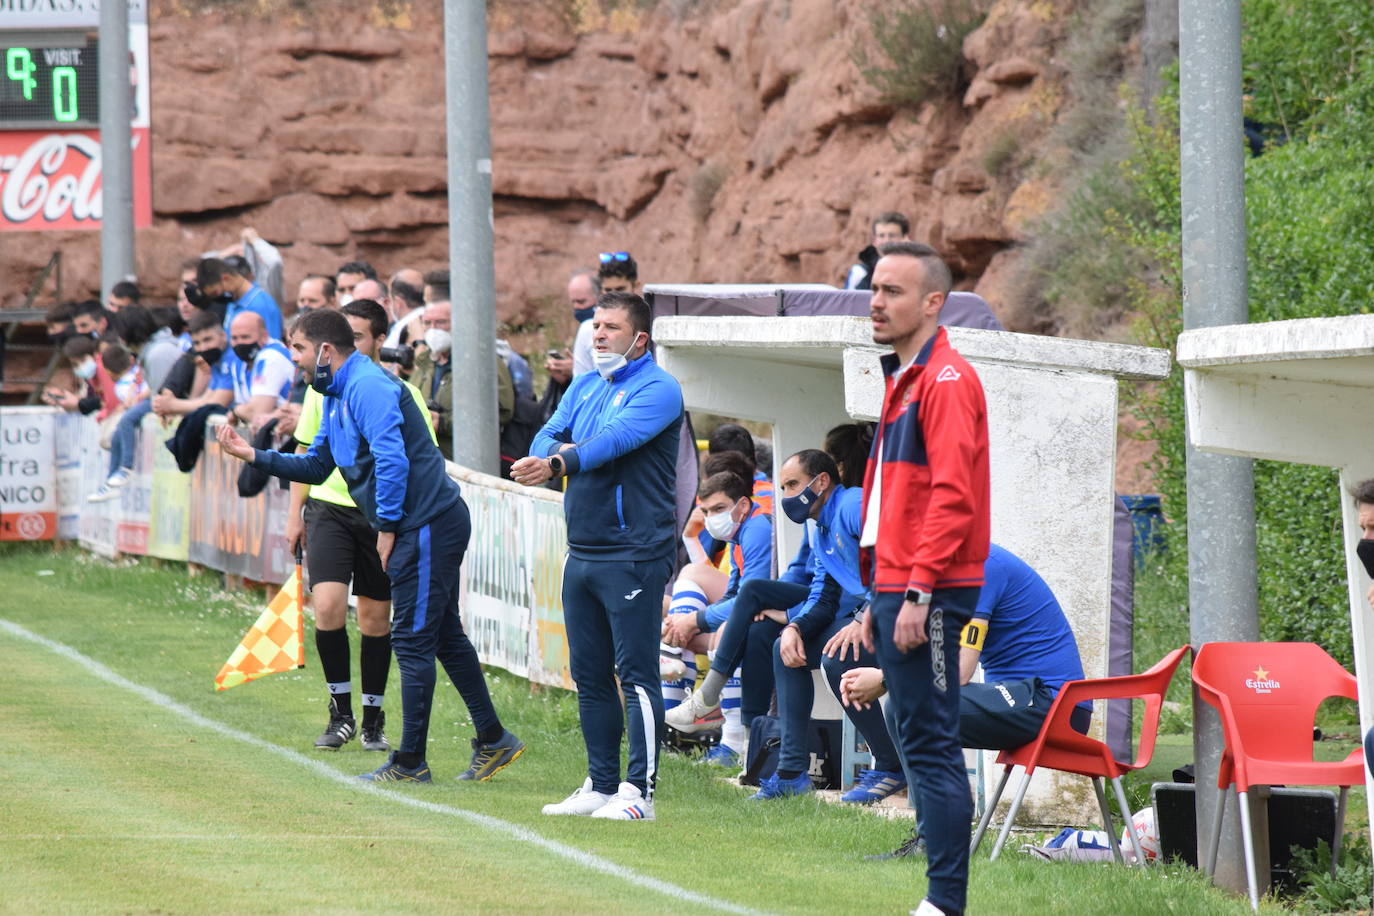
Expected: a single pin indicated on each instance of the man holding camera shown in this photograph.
(433, 375)
(341, 546)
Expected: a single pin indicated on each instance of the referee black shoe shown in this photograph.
(373, 738)
(913, 845)
(338, 732)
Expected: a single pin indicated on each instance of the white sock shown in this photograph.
(733, 733)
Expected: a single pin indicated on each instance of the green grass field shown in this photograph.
(131, 786)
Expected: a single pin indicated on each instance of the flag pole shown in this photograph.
(300, 609)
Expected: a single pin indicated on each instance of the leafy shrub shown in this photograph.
(918, 47)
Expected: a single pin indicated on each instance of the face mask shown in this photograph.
(61, 337)
(93, 335)
(324, 374)
(246, 352)
(581, 315)
(1365, 550)
(344, 299)
(798, 508)
(211, 356)
(608, 364)
(85, 370)
(722, 526)
(439, 341)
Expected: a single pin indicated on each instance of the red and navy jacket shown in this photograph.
(933, 444)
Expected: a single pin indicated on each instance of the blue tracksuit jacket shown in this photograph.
(622, 468)
(374, 433)
(836, 588)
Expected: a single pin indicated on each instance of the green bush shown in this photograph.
(917, 47)
(1311, 254)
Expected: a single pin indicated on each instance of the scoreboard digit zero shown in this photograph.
(50, 79)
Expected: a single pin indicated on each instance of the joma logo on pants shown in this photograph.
(937, 648)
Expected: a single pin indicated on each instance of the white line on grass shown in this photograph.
(495, 824)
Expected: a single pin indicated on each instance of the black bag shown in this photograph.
(823, 740)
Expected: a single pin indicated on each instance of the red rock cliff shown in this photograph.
(736, 144)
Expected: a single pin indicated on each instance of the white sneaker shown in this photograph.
(670, 664)
(119, 478)
(629, 804)
(693, 715)
(104, 494)
(582, 803)
(927, 909)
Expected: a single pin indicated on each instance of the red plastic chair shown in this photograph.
(1059, 747)
(1267, 694)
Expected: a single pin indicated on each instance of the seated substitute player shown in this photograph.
(1023, 640)
(340, 546)
(732, 516)
(376, 435)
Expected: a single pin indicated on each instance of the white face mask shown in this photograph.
(722, 526)
(84, 370)
(608, 364)
(439, 341)
(344, 299)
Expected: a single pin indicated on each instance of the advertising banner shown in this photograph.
(242, 537)
(169, 512)
(51, 180)
(69, 499)
(28, 475)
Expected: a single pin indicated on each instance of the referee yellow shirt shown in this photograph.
(334, 490)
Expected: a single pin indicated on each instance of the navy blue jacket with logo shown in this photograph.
(622, 466)
(374, 433)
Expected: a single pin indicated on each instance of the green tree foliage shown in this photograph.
(1309, 70)
(918, 47)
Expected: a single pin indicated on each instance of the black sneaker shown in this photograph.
(338, 732)
(911, 846)
(373, 738)
(488, 758)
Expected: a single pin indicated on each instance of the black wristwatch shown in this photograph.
(916, 596)
(556, 465)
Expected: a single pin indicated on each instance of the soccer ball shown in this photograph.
(1143, 821)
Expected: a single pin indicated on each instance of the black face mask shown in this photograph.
(211, 356)
(1365, 551)
(60, 337)
(246, 352)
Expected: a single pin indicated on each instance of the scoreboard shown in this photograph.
(49, 80)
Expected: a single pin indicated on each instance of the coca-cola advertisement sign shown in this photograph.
(51, 180)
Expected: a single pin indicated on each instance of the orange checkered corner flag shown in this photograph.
(275, 643)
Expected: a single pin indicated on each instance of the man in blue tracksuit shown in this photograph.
(374, 433)
(615, 437)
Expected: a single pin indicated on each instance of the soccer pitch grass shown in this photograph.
(131, 786)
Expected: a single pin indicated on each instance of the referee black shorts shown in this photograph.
(341, 546)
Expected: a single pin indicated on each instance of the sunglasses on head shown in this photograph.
(609, 256)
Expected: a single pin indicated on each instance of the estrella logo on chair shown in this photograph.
(1262, 682)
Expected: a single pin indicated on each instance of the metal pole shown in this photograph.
(472, 274)
(116, 155)
(1222, 591)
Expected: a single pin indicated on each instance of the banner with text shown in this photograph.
(28, 475)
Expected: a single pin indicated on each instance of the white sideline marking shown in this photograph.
(495, 824)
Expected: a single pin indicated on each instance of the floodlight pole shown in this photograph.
(116, 154)
(1222, 591)
(472, 276)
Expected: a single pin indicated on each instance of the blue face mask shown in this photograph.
(798, 508)
(324, 374)
(585, 314)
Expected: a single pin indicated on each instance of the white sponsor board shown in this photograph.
(28, 480)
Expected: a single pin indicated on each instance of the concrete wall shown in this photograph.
(1052, 407)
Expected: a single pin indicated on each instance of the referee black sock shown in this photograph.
(374, 663)
(332, 647)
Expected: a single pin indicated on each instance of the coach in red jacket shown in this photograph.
(926, 529)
